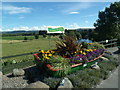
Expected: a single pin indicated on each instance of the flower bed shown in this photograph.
(75, 66)
(68, 56)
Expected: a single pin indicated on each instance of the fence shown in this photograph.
(18, 55)
(109, 43)
(106, 43)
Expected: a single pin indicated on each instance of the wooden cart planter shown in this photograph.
(54, 72)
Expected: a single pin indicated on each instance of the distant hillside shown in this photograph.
(14, 32)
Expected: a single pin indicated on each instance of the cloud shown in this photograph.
(86, 21)
(10, 9)
(21, 28)
(26, 28)
(72, 26)
(44, 27)
(0, 29)
(73, 12)
(74, 7)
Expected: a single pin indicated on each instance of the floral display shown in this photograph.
(69, 54)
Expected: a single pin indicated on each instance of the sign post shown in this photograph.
(54, 29)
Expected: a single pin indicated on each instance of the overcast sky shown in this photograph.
(39, 15)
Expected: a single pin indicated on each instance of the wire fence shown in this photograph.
(109, 43)
(106, 43)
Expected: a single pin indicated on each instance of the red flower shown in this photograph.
(64, 56)
(77, 55)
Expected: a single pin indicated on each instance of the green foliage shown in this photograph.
(16, 37)
(86, 78)
(58, 62)
(71, 33)
(25, 38)
(78, 35)
(108, 22)
(67, 46)
(118, 41)
(44, 35)
(61, 36)
(36, 36)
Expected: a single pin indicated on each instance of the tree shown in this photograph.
(25, 38)
(78, 35)
(36, 36)
(108, 24)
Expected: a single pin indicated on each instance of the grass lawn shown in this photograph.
(35, 45)
(20, 47)
(16, 37)
(26, 47)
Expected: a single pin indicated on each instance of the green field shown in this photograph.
(15, 48)
(17, 37)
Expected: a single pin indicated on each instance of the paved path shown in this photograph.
(112, 81)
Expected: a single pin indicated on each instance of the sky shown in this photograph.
(38, 15)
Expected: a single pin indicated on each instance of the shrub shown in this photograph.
(25, 38)
(44, 35)
(36, 36)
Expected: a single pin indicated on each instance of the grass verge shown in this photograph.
(8, 68)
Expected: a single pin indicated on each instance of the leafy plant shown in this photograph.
(58, 62)
(67, 46)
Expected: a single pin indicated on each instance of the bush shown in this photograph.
(44, 35)
(25, 38)
(36, 36)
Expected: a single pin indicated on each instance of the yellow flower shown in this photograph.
(87, 50)
(80, 51)
(75, 52)
(90, 43)
(46, 57)
(84, 53)
(42, 51)
(48, 51)
(49, 54)
(52, 51)
(91, 50)
(94, 49)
